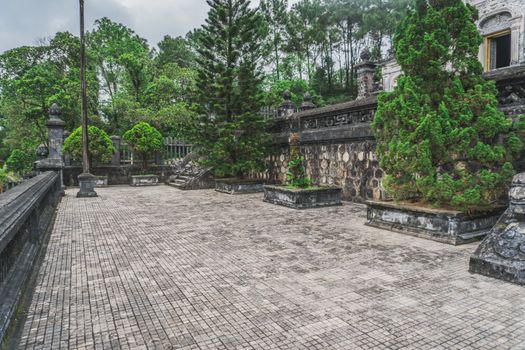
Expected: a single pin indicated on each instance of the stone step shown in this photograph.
(177, 185)
(179, 182)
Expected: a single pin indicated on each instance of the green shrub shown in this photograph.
(20, 162)
(296, 174)
(145, 141)
(440, 136)
(5, 177)
(100, 146)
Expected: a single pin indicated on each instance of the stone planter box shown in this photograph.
(446, 226)
(303, 198)
(238, 186)
(102, 181)
(144, 180)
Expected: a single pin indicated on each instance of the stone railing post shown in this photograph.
(287, 108)
(365, 75)
(159, 158)
(54, 161)
(115, 160)
(307, 103)
(502, 254)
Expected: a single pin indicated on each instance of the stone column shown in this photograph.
(159, 159)
(502, 254)
(365, 75)
(115, 160)
(66, 156)
(55, 127)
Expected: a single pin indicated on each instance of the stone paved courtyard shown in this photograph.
(160, 268)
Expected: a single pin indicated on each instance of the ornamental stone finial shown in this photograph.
(365, 54)
(287, 108)
(54, 117)
(307, 104)
(55, 110)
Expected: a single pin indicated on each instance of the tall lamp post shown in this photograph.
(86, 180)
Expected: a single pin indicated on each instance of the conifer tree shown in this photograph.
(440, 135)
(230, 131)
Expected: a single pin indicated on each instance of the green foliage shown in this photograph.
(5, 177)
(296, 174)
(100, 146)
(229, 131)
(274, 95)
(175, 51)
(20, 162)
(145, 141)
(440, 135)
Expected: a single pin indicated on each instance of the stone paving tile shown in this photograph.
(159, 268)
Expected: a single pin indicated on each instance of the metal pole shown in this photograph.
(84, 112)
(86, 181)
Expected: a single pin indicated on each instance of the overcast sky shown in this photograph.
(23, 22)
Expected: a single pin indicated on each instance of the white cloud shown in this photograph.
(24, 22)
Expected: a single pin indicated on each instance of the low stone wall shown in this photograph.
(339, 145)
(118, 174)
(26, 212)
(339, 148)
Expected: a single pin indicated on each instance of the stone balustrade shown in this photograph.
(338, 145)
(26, 212)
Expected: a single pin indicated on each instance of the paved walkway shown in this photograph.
(160, 268)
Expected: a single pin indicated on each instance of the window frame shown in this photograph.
(487, 39)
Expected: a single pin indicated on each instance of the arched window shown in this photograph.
(497, 40)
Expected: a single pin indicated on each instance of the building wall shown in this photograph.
(497, 15)
(494, 16)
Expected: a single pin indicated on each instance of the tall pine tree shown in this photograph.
(440, 135)
(230, 132)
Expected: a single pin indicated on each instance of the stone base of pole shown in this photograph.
(87, 184)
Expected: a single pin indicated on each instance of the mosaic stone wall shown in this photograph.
(350, 165)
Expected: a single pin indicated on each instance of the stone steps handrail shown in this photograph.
(26, 212)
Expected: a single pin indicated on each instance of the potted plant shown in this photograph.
(447, 150)
(145, 141)
(100, 149)
(298, 192)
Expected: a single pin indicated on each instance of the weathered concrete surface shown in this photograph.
(203, 270)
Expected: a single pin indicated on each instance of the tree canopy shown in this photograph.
(440, 135)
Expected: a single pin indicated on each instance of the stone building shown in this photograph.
(502, 25)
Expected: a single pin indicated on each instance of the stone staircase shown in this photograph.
(180, 181)
(191, 176)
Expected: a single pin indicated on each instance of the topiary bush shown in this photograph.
(19, 162)
(440, 136)
(100, 146)
(145, 141)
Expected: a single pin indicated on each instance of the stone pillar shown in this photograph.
(307, 103)
(55, 127)
(365, 75)
(502, 254)
(115, 160)
(287, 108)
(66, 156)
(159, 159)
